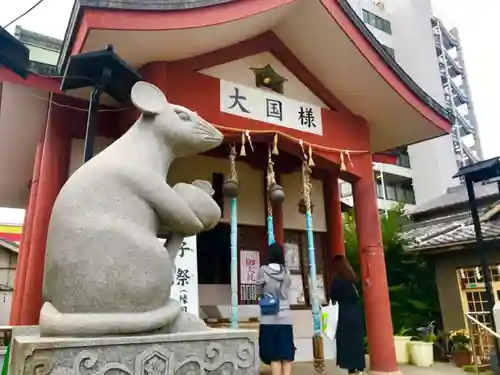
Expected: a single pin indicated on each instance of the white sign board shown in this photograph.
(270, 107)
(320, 289)
(249, 266)
(296, 291)
(185, 287)
(292, 256)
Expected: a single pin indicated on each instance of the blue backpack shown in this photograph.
(269, 304)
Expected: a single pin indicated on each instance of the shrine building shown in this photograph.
(297, 80)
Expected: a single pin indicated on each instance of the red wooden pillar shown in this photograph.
(373, 272)
(24, 249)
(333, 213)
(53, 173)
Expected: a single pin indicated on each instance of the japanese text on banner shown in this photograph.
(185, 286)
(265, 106)
(249, 266)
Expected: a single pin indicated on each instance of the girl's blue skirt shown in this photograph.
(276, 343)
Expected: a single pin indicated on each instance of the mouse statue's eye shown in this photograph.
(183, 115)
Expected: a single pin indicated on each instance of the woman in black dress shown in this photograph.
(350, 331)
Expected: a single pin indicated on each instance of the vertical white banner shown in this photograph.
(185, 287)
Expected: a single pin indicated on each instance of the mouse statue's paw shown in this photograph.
(198, 197)
(185, 322)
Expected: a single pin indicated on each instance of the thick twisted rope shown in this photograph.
(287, 136)
(306, 185)
(271, 179)
(233, 175)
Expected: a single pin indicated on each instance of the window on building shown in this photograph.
(380, 190)
(409, 196)
(390, 51)
(403, 160)
(345, 189)
(400, 193)
(390, 192)
(376, 21)
(395, 193)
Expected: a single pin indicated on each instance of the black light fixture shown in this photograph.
(104, 71)
(269, 78)
(487, 171)
(14, 55)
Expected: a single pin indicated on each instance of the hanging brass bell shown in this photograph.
(230, 188)
(276, 194)
(303, 208)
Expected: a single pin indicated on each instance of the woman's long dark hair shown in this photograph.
(275, 254)
(341, 268)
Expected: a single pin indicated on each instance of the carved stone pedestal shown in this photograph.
(214, 352)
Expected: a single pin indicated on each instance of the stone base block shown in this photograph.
(211, 352)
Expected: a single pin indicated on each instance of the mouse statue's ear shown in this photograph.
(148, 98)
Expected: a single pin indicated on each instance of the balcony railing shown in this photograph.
(465, 124)
(482, 341)
(455, 68)
(396, 194)
(393, 65)
(392, 193)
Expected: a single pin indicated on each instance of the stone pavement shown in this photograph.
(306, 368)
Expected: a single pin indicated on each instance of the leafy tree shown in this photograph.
(412, 287)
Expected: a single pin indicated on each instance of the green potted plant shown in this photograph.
(442, 347)
(401, 340)
(460, 342)
(422, 347)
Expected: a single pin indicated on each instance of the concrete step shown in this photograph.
(252, 323)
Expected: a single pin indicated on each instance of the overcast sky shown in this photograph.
(477, 21)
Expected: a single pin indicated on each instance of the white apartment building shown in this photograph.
(408, 31)
(43, 49)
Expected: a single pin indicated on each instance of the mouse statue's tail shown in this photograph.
(56, 323)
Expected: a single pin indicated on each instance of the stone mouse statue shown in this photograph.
(105, 270)
(201, 204)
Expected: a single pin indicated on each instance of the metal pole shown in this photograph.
(234, 262)
(91, 124)
(92, 119)
(481, 248)
(270, 230)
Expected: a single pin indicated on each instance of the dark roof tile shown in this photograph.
(151, 4)
(455, 195)
(447, 230)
